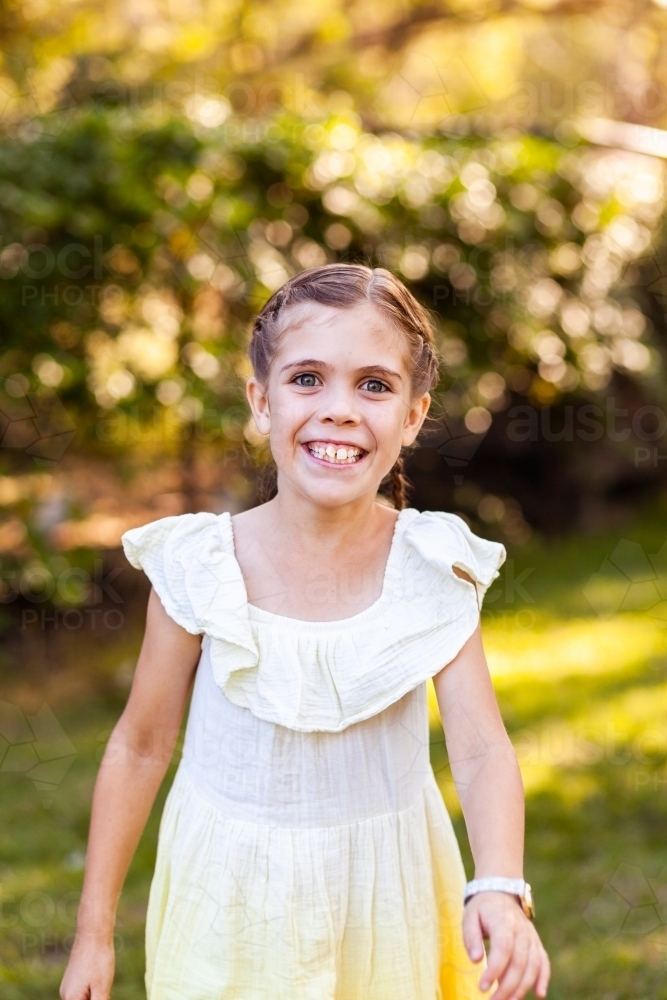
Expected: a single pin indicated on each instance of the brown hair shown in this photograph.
(343, 286)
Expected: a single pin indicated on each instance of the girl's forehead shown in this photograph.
(361, 328)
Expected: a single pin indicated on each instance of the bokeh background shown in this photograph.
(165, 166)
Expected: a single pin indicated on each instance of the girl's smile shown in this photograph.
(338, 453)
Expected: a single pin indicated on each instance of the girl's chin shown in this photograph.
(332, 489)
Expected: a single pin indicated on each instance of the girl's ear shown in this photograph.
(415, 417)
(259, 404)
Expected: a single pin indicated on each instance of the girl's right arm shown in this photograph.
(132, 769)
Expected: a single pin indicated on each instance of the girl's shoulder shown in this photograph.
(435, 541)
(186, 558)
(170, 531)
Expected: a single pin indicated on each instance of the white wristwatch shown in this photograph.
(515, 886)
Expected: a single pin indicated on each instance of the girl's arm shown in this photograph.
(488, 781)
(134, 764)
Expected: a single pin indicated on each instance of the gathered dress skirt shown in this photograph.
(317, 866)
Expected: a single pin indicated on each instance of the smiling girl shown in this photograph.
(305, 851)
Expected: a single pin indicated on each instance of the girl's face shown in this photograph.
(338, 405)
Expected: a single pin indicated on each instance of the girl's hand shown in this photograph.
(517, 959)
(90, 970)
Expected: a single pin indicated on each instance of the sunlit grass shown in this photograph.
(580, 670)
(584, 646)
(553, 650)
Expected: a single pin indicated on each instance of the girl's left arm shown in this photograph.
(488, 781)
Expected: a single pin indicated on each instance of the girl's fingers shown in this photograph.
(530, 975)
(523, 948)
(500, 953)
(544, 976)
(473, 938)
(509, 981)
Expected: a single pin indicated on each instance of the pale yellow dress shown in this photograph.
(305, 851)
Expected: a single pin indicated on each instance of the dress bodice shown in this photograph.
(321, 676)
(263, 772)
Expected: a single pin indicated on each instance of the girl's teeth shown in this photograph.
(333, 454)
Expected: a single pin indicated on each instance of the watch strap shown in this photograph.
(515, 886)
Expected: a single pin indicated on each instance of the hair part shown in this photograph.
(342, 286)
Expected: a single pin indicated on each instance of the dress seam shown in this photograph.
(325, 826)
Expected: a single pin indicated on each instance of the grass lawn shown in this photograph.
(576, 637)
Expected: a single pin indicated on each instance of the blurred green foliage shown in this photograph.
(160, 178)
(130, 241)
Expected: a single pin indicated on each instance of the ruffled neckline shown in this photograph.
(373, 611)
(321, 675)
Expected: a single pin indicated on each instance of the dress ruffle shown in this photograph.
(197, 579)
(322, 676)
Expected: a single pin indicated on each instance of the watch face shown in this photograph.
(527, 902)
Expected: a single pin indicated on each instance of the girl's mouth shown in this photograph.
(335, 454)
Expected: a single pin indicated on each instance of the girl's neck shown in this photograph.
(325, 529)
(302, 560)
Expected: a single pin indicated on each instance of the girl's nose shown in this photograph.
(339, 406)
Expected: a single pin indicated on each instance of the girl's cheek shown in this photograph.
(387, 423)
(290, 409)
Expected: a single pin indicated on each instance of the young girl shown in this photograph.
(305, 852)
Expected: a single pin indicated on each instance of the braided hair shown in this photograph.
(343, 286)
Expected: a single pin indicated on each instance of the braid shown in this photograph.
(267, 483)
(399, 484)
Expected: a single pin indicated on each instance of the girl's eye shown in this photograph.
(375, 385)
(307, 380)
